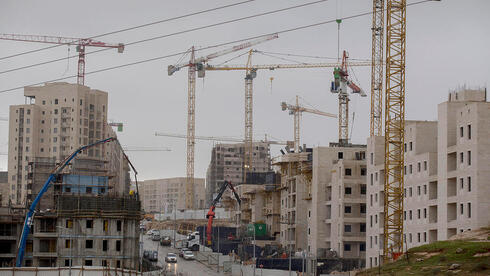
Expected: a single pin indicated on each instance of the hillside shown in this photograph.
(465, 254)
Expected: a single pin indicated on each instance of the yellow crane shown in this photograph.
(394, 128)
(197, 65)
(296, 110)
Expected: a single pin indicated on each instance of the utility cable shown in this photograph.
(309, 56)
(137, 27)
(205, 48)
(172, 34)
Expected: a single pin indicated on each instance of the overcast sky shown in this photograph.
(447, 46)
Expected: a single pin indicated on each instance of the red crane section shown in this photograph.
(79, 42)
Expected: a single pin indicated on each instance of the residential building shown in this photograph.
(4, 188)
(161, 195)
(227, 164)
(445, 175)
(336, 216)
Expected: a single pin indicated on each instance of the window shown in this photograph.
(461, 157)
(469, 132)
(88, 262)
(363, 171)
(89, 223)
(418, 237)
(461, 133)
(469, 209)
(118, 245)
(411, 146)
(469, 158)
(119, 225)
(469, 183)
(105, 245)
(348, 171)
(371, 242)
(410, 237)
(370, 221)
(418, 213)
(89, 243)
(372, 158)
(375, 218)
(461, 209)
(340, 155)
(425, 212)
(104, 263)
(67, 243)
(55, 130)
(363, 208)
(410, 215)
(118, 264)
(425, 236)
(425, 189)
(363, 227)
(88, 190)
(69, 223)
(362, 247)
(410, 191)
(348, 190)
(461, 183)
(410, 168)
(405, 147)
(371, 180)
(404, 215)
(418, 190)
(56, 111)
(405, 170)
(67, 262)
(418, 167)
(347, 209)
(346, 247)
(44, 102)
(363, 189)
(425, 165)
(55, 101)
(106, 225)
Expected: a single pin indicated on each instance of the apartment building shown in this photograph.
(227, 164)
(58, 118)
(161, 195)
(336, 216)
(446, 171)
(89, 198)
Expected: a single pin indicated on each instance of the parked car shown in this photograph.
(171, 258)
(181, 253)
(155, 237)
(188, 255)
(165, 241)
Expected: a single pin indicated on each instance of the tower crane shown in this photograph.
(250, 74)
(80, 43)
(198, 65)
(339, 85)
(296, 110)
(394, 128)
(377, 29)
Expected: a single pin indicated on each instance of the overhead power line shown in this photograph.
(206, 48)
(137, 27)
(171, 34)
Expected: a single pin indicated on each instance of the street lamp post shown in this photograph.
(255, 261)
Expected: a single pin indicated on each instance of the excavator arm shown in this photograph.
(211, 213)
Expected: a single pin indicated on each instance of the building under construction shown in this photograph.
(87, 217)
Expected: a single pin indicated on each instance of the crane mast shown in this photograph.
(81, 43)
(394, 128)
(250, 74)
(339, 85)
(377, 29)
(191, 132)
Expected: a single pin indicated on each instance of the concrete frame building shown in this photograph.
(337, 219)
(161, 195)
(227, 164)
(87, 214)
(446, 175)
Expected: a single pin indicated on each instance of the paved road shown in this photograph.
(186, 267)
